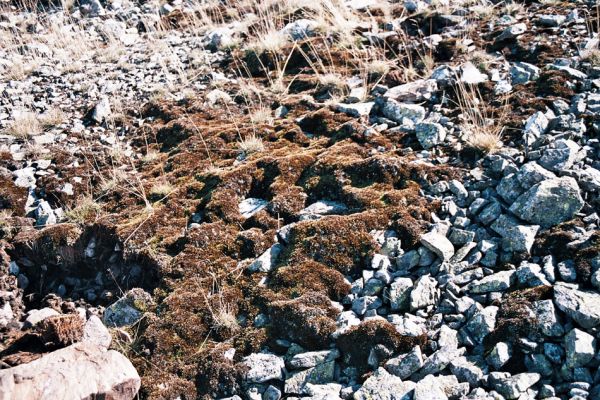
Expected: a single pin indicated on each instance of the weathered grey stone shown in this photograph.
(500, 354)
(313, 358)
(439, 244)
(547, 318)
(128, 309)
(398, 111)
(250, 206)
(430, 134)
(580, 348)
(549, 202)
(535, 127)
(80, 371)
(466, 371)
(438, 361)
(95, 332)
(317, 375)
(512, 32)
(263, 367)
(399, 293)
(519, 238)
(36, 316)
(561, 156)
(471, 75)
(482, 323)
(509, 188)
(415, 91)
(538, 363)
(102, 110)
(512, 387)
(301, 29)
(267, 260)
(494, 283)
(532, 173)
(406, 364)
(582, 306)
(521, 72)
(356, 109)
(424, 293)
(429, 388)
(322, 207)
(384, 386)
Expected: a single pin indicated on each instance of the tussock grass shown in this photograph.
(251, 144)
(25, 124)
(482, 129)
(87, 209)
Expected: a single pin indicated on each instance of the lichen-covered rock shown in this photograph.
(583, 306)
(384, 386)
(80, 371)
(549, 203)
(263, 367)
(128, 309)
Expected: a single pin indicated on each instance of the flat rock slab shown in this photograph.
(80, 371)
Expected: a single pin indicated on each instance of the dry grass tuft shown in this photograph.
(25, 125)
(482, 129)
(251, 144)
(87, 209)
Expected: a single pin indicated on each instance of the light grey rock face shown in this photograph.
(439, 244)
(471, 75)
(128, 309)
(582, 306)
(405, 365)
(399, 293)
(45, 214)
(521, 72)
(500, 354)
(532, 173)
(267, 260)
(580, 348)
(296, 382)
(561, 156)
(384, 386)
(466, 371)
(438, 361)
(494, 283)
(24, 177)
(301, 29)
(95, 332)
(249, 207)
(517, 237)
(430, 134)
(416, 91)
(263, 367)
(535, 127)
(513, 386)
(322, 207)
(272, 393)
(311, 359)
(102, 110)
(356, 109)
(482, 323)
(549, 202)
(429, 388)
(547, 318)
(425, 293)
(6, 315)
(512, 32)
(398, 111)
(218, 38)
(80, 371)
(36, 316)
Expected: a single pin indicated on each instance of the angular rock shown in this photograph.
(398, 111)
(95, 332)
(399, 293)
(411, 92)
(482, 323)
(430, 134)
(424, 293)
(429, 388)
(384, 386)
(313, 358)
(320, 374)
(267, 260)
(580, 348)
(500, 354)
(263, 367)
(512, 387)
(250, 206)
(519, 238)
(582, 306)
(80, 371)
(406, 364)
(547, 318)
(439, 244)
(561, 156)
(494, 283)
(128, 309)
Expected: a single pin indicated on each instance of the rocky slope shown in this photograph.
(357, 199)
